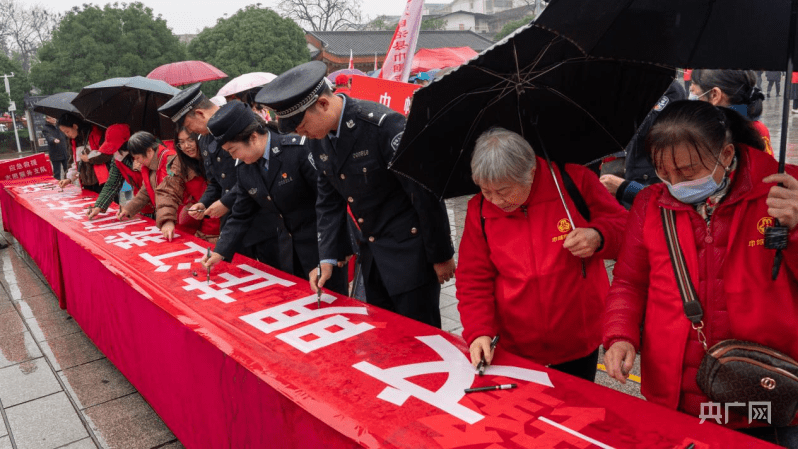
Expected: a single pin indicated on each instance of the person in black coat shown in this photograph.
(773, 77)
(57, 147)
(192, 109)
(406, 250)
(279, 175)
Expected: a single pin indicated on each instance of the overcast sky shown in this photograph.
(189, 17)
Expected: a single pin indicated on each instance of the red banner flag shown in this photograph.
(393, 94)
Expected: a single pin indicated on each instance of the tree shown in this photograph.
(512, 26)
(20, 85)
(433, 24)
(252, 40)
(323, 15)
(93, 44)
(24, 31)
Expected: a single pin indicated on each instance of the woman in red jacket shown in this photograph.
(722, 190)
(153, 158)
(521, 259)
(89, 165)
(735, 89)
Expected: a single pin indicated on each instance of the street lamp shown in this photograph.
(11, 109)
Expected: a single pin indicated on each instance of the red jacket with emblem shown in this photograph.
(523, 285)
(151, 177)
(731, 271)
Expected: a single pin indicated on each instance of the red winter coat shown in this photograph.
(731, 271)
(151, 179)
(522, 283)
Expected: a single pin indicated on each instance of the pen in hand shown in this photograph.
(483, 364)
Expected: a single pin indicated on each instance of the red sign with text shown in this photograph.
(393, 94)
(25, 167)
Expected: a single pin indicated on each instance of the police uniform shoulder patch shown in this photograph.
(276, 150)
(663, 101)
(395, 141)
(312, 162)
(292, 139)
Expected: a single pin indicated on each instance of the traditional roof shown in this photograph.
(371, 42)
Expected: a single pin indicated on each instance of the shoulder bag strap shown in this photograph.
(692, 308)
(573, 192)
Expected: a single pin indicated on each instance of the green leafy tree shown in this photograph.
(20, 85)
(252, 40)
(92, 44)
(512, 26)
(433, 24)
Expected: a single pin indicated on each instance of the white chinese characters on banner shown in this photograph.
(460, 376)
(399, 59)
(162, 267)
(137, 238)
(257, 279)
(317, 335)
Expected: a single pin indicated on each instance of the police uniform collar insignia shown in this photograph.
(253, 191)
(276, 150)
(323, 157)
(205, 153)
(350, 124)
(371, 114)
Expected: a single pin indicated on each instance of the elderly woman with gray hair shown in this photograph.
(526, 273)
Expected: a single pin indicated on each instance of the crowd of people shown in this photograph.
(307, 186)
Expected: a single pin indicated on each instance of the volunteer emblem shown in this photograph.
(764, 223)
(253, 191)
(323, 157)
(564, 225)
(350, 124)
(276, 150)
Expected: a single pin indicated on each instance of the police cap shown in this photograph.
(293, 92)
(180, 105)
(229, 121)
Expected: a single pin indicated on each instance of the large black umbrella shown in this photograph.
(536, 83)
(700, 34)
(133, 100)
(57, 104)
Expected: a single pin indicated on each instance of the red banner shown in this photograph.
(375, 378)
(25, 167)
(393, 94)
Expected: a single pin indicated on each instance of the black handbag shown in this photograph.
(735, 371)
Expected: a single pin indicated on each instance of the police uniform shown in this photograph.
(282, 182)
(405, 228)
(261, 238)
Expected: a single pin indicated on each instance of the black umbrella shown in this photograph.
(535, 83)
(700, 34)
(133, 100)
(57, 104)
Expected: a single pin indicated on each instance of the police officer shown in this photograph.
(406, 250)
(278, 174)
(192, 109)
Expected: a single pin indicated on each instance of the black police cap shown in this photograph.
(180, 105)
(293, 92)
(230, 120)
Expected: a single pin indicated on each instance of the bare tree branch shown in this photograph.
(23, 31)
(323, 15)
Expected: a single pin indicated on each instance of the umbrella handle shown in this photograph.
(776, 237)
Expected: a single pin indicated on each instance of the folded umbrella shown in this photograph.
(134, 101)
(538, 84)
(57, 104)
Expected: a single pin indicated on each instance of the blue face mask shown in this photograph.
(697, 190)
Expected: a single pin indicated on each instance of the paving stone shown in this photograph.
(18, 348)
(26, 381)
(6, 306)
(40, 305)
(45, 423)
(11, 323)
(5, 443)
(96, 382)
(82, 444)
(70, 350)
(3, 430)
(448, 324)
(447, 300)
(52, 326)
(128, 423)
(175, 445)
(451, 313)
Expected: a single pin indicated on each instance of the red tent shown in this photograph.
(439, 58)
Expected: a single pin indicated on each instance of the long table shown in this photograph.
(246, 358)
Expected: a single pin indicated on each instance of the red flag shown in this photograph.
(375, 61)
(403, 45)
(351, 60)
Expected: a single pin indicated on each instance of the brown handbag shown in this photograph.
(735, 372)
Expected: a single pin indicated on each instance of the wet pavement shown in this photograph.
(57, 390)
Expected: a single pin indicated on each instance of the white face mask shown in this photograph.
(694, 97)
(696, 190)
